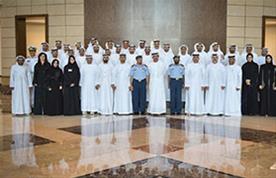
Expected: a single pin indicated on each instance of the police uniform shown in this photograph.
(176, 75)
(139, 74)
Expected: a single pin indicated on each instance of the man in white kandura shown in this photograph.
(45, 49)
(64, 55)
(125, 47)
(157, 95)
(93, 41)
(166, 56)
(260, 60)
(131, 55)
(20, 84)
(155, 46)
(147, 59)
(195, 85)
(141, 47)
(203, 56)
(88, 81)
(81, 58)
(215, 80)
(97, 55)
(77, 48)
(185, 58)
(231, 51)
(114, 57)
(110, 45)
(215, 48)
(104, 86)
(232, 106)
(121, 87)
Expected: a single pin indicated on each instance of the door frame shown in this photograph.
(263, 28)
(18, 17)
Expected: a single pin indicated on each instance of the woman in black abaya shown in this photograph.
(40, 77)
(250, 86)
(54, 99)
(267, 78)
(71, 97)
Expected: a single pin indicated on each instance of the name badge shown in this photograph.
(70, 70)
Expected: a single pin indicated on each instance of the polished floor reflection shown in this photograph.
(137, 146)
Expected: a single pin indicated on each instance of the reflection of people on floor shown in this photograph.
(90, 141)
(231, 145)
(214, 144)
(22, 146)
(158, 138)
(122, 134)
(101, 136)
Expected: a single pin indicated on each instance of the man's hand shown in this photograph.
(130, 88)
(97, 87)
(113, 87)
(261, 87)
(248, 82)
(72, 85)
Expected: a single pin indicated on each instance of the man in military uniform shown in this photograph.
(176, 82)
(30, 63)
(31, 59)
(138, 79)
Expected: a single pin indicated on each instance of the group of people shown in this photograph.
(137, 80)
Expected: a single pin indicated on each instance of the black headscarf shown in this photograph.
(267, 71)
(74, 65)
(46, 59)
(56, 72)
(71, 73)
(250, 71)
(41, 71)
(269, 66)
(55, 60)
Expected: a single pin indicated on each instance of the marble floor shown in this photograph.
(137, 146)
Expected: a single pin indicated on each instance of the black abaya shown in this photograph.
(40, 92)
(250, 92)
(267, 94)
(71, 93)
(54, 101)
(273, 95)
